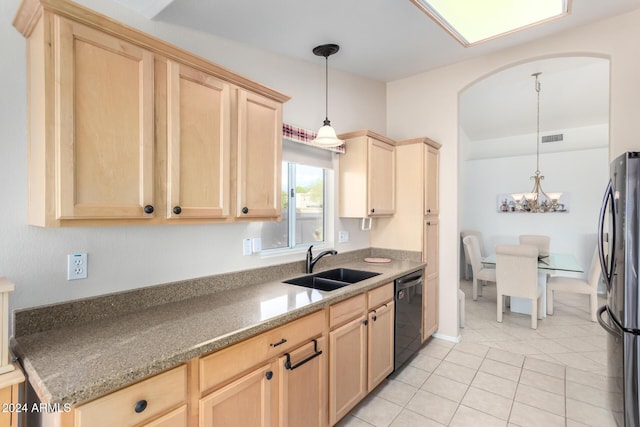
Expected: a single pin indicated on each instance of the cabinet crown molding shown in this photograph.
(30, 12)
(422, 140)
(369, 133)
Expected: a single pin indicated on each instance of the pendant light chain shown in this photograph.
(326, 90)
(538, 125)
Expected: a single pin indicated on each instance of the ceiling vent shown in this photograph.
(552, 138)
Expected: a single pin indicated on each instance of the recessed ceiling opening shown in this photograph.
(473, 21)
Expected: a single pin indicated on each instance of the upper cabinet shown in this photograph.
(367, 176)
(126, 129)
(259, 157)
(431, 174)
(198, 143)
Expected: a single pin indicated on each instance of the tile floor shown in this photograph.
(500, 374)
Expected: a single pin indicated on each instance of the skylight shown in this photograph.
(474, 21)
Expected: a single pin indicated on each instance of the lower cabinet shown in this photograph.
(247, 401)
(309, 372)
(361, 351)
(139, 403)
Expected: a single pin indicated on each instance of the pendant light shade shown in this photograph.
(326, 135)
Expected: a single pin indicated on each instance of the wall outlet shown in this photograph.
(343, 236)
(77, 266)
(246, 246)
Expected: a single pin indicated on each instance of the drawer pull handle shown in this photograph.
(315, 354)
(282, 341)
(268, 375)
(148, 209)
(141, 405)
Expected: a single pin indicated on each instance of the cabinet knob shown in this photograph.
(269, 375)
(141, 405)
(245, 210)
(373, 210)
(375, 317)
(365, 322)
(428, 222)
(177, 210)
(428, 210)
(148, 209)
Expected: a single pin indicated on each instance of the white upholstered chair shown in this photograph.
(517, 276)
(480, 273)
(578, 286)
(467, 260)
(540, 242)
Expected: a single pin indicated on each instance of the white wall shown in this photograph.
(427, 104)
(571, 232)
(122, 258)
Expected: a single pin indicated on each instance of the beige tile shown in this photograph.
(578, 361)
(377, 411)
(540, 399)
(549, 346)
(542, 381)
(587, 378)
(529, 416)
(464, 359)
(494, 384)
(572, 423)
(488, 403)
(458, 373)
(435, 349)
(593, 396)
(472, 348)
(412, 376)
(589, 415)
(518, 347)
(506, 357)
(466, 417)
(445, 387)
(432, 406)
(352, 421)
(577, 344)
(544, 367)
(396, 391)
(409, 418)
(500, 369)
(424, 362)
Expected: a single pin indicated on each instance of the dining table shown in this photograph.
(549, 264)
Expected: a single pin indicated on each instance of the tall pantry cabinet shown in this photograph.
(414, 227)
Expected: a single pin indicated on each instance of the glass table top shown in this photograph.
(555, 261)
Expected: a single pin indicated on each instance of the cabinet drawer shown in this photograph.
(176, 418)
(346, 310)
(160, 393)
(227, 363)
(379, 296)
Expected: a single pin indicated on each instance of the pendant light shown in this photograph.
(326, 135)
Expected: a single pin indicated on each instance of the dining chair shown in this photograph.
(480, 273)
(578, 285)
(467, 260)
(540, 242)
(517, 276)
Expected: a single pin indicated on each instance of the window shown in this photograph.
(303, 209)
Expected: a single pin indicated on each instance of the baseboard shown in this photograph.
(448, 337)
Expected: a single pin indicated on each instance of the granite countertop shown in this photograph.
(79, 362)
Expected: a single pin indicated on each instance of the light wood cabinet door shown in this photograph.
(259, 157)
(380, 352)
(176, 418)
(430, 307)
(198, 138)
(303, 386)
(104, 125)
(347, 367)
(381, 174)
(432, 172)
(431, 242)
(248, 401)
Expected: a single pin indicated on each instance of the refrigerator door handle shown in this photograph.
(604, 324)
(607, 270)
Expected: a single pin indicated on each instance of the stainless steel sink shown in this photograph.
(346, 275)
(331, 280)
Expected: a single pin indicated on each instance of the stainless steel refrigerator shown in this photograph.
(619, 244)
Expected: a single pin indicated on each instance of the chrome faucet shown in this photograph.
(311, 261)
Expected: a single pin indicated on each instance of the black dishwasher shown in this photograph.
(408, 329)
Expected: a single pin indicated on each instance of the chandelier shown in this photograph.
(537, 200)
